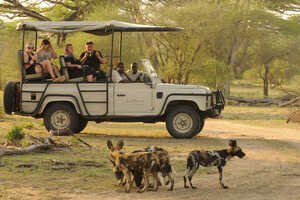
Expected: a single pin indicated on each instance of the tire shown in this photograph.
(184, 122)
(61, 116)
(9, 97)
(82, 124)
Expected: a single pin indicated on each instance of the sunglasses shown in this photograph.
(29, 47)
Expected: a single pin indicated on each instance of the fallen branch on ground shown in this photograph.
(39, 144)
(80, 140)
(284, 101)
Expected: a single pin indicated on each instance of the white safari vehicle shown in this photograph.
(71, 104)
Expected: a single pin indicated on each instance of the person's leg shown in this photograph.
(56, 71)
(48, 68)
(90, 78)
(38, 68)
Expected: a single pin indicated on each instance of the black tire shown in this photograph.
(61, 116)
(9, 97)
(82, 124)
(184, 122)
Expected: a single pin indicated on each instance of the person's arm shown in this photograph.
(53, 54)
(69, 64)
(83, 57)
(26, 63)
(100, 57)
(129, 79)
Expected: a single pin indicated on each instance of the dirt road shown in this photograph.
(270, 170)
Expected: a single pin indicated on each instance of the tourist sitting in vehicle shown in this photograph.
(93, 59)
(44, 55)
(119, 75)
(75, 69)
(134, 74)
(30, 64)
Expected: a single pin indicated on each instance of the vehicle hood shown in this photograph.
(176, 88)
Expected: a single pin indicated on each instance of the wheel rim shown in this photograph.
(182, 123)
(60, 119)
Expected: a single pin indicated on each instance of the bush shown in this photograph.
(28, 125)
(15, 135)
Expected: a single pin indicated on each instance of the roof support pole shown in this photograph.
(35, 44)
(121, 43)
(111, 54)
(23, 47)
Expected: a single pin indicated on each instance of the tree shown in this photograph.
(48, 10)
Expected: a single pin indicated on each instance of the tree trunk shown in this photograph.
(266, 82)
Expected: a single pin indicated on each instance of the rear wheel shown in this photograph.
(9, 97)
(62, 116)
(184, 122)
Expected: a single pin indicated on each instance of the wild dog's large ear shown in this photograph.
(109, 145)
(120, 145)
(232, 143)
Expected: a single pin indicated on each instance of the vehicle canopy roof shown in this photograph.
(93, 27)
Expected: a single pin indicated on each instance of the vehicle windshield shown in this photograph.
(149, 69)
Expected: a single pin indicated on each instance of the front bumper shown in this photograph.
(217, 102)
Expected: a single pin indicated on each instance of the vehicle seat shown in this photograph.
(28, 77)
(64, 71)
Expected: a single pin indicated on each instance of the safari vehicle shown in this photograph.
(72, 104)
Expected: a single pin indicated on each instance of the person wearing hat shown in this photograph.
(93, 59)
(134, 74)
(30, 64)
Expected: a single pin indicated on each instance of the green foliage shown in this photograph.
(25, 143)
(15, 135)
(28, 125)
(221, 39)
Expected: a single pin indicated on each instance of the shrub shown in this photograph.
(15, 135)
(28, 125)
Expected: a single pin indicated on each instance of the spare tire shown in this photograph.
(9, 97)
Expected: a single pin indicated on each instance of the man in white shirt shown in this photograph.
(119, 76)
(134, 74)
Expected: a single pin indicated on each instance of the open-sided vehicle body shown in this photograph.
(71, 104)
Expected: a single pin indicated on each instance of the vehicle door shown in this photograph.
(133, 99)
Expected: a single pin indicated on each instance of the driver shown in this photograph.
(119, 75)
(134, 74)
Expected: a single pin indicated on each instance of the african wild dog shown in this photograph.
(211, 158)
(147, 162)
(165, 167)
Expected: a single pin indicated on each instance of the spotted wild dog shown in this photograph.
(147, 162)
(216, 158)
(165, 167)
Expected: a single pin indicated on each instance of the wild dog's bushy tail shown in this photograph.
(189, 163)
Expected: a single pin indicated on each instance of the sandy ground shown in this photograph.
(270, 169)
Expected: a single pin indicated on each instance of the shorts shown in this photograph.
(75, 72)
(30, 69)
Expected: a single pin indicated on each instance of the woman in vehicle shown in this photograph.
(30, 65)
(44, 55)
(75, 69)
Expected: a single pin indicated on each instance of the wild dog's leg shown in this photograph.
(146, 181)
(155, 181)
(190, 175)
(170, 176)
(126, 173)
(220, 168)
(191, 168)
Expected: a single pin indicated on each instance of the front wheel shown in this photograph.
(184, 122)
(61, 116)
